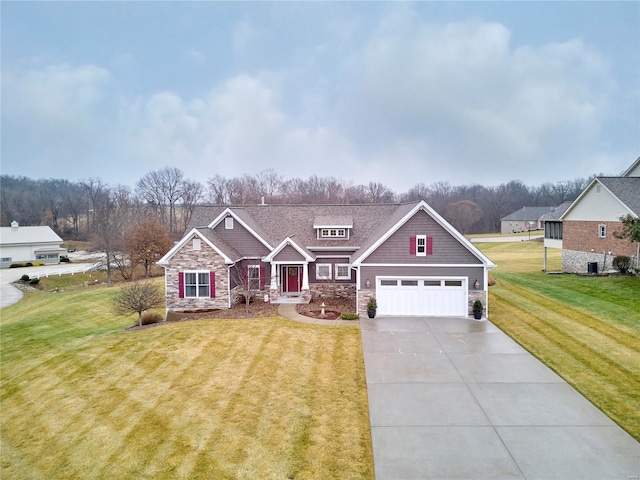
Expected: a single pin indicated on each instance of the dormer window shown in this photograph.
(333, 227)
(333, 233)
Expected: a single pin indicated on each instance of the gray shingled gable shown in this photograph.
(527, 214)
(626, 189)
(224, 247)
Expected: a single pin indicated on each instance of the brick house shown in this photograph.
(588, 225)
(406, 255)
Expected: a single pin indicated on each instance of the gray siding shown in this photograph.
(446, 249)
(472, 273)
(288, 254)
(332, 261)
(237, 273)
(241, 239)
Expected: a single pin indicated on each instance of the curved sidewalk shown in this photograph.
(455, 398)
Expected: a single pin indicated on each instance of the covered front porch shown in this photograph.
(289, 283)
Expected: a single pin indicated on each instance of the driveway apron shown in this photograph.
(456, 398)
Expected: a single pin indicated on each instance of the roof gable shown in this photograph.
(403, 215)
(606, 199)
(244, 219)
(207, 239)
(288, 242)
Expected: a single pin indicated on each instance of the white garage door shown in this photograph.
(422, 296)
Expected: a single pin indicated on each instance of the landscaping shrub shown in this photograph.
(16, 265)
(34, 281)
(37, 264)
(149, 318)
(28, 264)
(25, 278)
(622, 263)
(349, 316)
(64, 259)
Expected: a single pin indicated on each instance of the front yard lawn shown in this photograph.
(263, 398)
(587, 329)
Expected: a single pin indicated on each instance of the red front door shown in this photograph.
(293, 279)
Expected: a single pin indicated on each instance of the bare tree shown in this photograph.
(137, 297)
(463, 214)
(111, 211)
(218, 190)
(379, 193)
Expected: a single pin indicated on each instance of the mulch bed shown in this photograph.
(334, 307)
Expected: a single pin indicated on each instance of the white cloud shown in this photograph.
(58, 96)
(470, 97)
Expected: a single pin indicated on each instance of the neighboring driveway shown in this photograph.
(10, 294)
(457, 398)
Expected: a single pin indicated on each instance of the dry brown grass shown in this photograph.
(243, 399)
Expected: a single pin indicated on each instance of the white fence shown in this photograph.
(67, 271)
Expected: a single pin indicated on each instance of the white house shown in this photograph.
(29, 244)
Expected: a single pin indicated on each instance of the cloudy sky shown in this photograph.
(397, 93)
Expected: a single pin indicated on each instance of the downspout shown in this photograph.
(229, 284)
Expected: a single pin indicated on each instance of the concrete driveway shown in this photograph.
(457, 398)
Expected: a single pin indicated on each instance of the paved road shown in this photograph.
(506, 238)
(10, 294)
(457, 398)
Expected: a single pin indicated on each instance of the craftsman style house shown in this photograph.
(587, 240)
(406, 255)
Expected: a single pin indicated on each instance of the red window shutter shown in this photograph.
(429, 245)
(412, 245)
(180, 284)
(212, 284)
(261, 278)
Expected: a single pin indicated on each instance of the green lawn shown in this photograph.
(267, 398)
(587, 329)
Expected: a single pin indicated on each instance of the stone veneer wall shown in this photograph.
(363, 298)
(576, 262)
(204, 259)
(333, 290)
(478, 295)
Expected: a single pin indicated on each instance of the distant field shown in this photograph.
(587, 329)
(225, 399)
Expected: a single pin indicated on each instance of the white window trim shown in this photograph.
(333, 232)
(197, 284)
(424, 246)
(602, 230)
(343, 277)
(228, 223)
(323, 277)
(249, 268)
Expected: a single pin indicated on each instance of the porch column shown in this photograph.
(305, 276)
(274, 276)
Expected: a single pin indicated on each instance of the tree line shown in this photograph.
(85, 210)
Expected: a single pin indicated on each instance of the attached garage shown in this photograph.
(428, 296)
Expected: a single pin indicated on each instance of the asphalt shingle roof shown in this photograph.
(626, 189)
(527, 214)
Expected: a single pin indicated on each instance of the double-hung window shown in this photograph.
(602, 230)
(253, 277)
(342, 271)
(323, 271)
(197, 284)
(421, 245)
